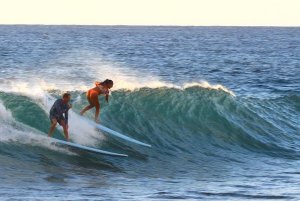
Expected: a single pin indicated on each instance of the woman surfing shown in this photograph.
(101, 88)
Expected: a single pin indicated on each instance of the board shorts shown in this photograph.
(58, 119)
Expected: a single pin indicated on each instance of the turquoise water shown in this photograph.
(219, 105)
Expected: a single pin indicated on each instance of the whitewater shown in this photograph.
(219, 105)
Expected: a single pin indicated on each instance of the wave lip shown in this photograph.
(206, 85)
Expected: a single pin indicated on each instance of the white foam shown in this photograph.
(91, 67)
(5, 115)
(205, 84)
(33, 89)
(79, 131)
(13, 131)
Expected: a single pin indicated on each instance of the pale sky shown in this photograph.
(152, 12)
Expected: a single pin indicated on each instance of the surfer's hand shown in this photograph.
(70, 105)
(97, 121)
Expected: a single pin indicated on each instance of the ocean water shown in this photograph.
(219, 105)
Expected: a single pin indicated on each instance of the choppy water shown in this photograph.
(220, 106)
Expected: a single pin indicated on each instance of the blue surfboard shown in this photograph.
(85, 148)
(117, 134)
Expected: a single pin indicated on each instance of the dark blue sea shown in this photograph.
(219, 105)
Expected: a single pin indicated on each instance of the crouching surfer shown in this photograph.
(59, 114)
(101, 88)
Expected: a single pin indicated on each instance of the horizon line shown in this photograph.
(140, 25)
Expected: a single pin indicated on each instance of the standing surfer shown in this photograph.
(101, 88)
(59, 114)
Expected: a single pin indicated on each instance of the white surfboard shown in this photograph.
(117, 134)
(85, 148)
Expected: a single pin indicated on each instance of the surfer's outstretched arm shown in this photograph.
(106, 98)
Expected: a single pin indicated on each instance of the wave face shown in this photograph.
(220, 107)
(190, 121)
(196, 117)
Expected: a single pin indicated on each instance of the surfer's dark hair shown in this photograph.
(66, 95)
(107, 81)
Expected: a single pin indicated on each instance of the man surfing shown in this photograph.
(59, 114)
(101, 88)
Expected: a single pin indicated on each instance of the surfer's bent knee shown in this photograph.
(54, 122)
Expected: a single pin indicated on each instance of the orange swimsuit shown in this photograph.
(92, 94)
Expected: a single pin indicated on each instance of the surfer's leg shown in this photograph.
(95, 102)
(97, 113)
(52, 127)
(90, 106)
(65, 127)
(86, 109)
